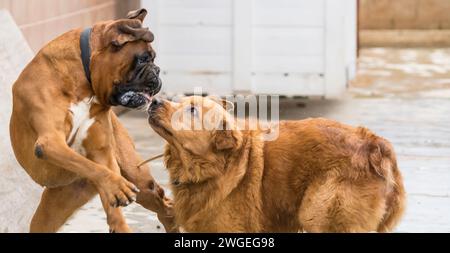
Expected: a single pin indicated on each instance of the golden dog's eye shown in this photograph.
(192, 110)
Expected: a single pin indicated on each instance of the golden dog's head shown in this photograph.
(122, 62)
(196, 126)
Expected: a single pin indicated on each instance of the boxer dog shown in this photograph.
(317, 176)
(64, 133)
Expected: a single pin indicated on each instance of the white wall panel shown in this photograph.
(196, 63)
(287, 64)
(289, 13)
(210, 83)
(194, 40)
(195, 12)
(288, 41)
(290, 85)
(286, 47)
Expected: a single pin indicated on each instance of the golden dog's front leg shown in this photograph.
(116, 220)
(151, 195)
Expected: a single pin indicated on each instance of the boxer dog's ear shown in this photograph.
(128, 30)
(137, 14)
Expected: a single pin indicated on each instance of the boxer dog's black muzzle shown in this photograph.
(139, 90)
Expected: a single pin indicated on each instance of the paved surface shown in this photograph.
(403, 95)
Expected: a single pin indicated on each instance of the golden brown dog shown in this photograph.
(317, 176)
(65, 134)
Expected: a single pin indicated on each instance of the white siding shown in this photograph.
(286, 47)
(298, 13)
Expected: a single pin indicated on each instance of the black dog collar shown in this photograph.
(86, 51)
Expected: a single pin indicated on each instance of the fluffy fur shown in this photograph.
(318, 176)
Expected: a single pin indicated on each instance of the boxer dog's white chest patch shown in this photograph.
(81, 122)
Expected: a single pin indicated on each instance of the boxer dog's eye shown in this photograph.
(144, 59)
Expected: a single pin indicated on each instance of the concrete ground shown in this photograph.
(401, 94)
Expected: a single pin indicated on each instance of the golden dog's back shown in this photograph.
(323, 166)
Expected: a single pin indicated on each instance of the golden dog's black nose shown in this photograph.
(156, 103)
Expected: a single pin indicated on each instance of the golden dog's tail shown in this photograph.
(395, 204)
(383, 162)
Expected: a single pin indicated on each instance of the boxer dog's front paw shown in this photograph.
(116, 190)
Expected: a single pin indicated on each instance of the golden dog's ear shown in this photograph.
(227, 105)
(227, 139)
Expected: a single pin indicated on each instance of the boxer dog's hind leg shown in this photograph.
(58, 204)
(151, 196)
